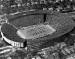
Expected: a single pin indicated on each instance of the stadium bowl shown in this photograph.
(62, 23)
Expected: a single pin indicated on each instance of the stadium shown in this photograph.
(43, 28)
(24, 27)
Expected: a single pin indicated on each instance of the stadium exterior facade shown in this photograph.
(10, 37)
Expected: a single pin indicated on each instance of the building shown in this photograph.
(9, 35)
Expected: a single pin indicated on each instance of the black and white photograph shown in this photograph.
(37, 29)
